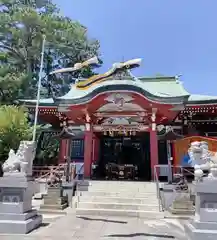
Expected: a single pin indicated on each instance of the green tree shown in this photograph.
(14, 127)
(22, 26)
(47, 148)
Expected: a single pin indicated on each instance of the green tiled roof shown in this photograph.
(160, 87)
(164, 86)
(199, 99)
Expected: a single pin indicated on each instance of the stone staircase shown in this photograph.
(117, 198)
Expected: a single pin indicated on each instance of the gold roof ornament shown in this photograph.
(116, 67)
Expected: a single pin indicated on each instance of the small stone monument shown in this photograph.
(54, 201)
(204, 224)
(182, 204)
(16, 213)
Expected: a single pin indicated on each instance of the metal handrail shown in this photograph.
(186, 170)
(159, 197)
(156, 178)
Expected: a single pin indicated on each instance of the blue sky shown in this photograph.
(171, 36)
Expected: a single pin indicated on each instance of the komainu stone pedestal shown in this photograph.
(204, 224)
(54, 201)
(16, 213)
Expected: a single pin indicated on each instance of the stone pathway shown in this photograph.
(107, 228)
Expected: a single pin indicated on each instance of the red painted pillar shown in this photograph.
(153, 150)
(88, 148)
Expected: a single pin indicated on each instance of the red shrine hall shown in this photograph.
(122, 126)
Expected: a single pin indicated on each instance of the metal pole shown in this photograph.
(39, 89)
(170, 178)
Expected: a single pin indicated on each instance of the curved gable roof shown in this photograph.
(159, 89)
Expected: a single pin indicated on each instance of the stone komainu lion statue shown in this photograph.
(201, 158)
(12, 164)
(22, 160)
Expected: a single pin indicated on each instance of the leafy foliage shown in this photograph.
(14, 127)
(23, 24)
(22, 27)
(47, 149)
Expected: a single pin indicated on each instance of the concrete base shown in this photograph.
(177, 211)
(19, 223)
(204, 225)
(182, 208)
(54, 201)
(200, 231)
(16, 213)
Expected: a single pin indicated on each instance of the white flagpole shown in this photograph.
(39, 89)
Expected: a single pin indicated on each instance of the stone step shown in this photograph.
(133, 184)
(178, 216)
(122, 189)
(38, 196)
(121, 185)
(56, 201)
(53, 197)
(125, 192)
(110, 182)
(52, 211)
(54, 206)
(53, 193)
(120, 213)
(50, 217)
(115, 183)
(175, 211)
(118, 199)
(117, 194)
(119, 206)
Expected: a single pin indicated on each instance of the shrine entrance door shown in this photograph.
(124, 158)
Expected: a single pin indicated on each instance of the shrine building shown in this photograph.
(127, 120)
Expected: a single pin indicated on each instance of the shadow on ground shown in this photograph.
(140, 234)
(102, 220)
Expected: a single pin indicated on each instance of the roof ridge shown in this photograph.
(158, 78)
